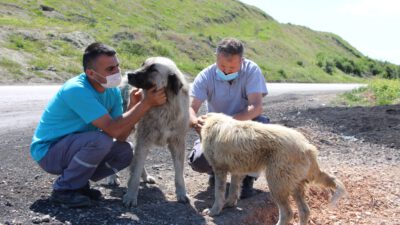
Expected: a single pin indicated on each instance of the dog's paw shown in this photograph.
(149, 180)
(129, 201)
(209, 212)
(113, 180)
(230, 203)
(183, 198)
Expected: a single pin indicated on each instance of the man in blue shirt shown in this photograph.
(82, 133)
(234, 86)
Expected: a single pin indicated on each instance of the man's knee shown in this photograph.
(124, 153)
(197, 160)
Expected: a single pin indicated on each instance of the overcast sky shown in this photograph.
(371, 26)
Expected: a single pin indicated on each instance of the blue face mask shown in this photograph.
(227, 77)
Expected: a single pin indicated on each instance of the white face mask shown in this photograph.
(111, 81)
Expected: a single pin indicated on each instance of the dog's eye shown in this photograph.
(152, 68)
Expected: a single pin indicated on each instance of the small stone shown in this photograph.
(46, 218)
(36, 220)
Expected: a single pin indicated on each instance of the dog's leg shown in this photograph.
(177, 149)
(147, 178)
(285, 212)
(280, 192)
(304, 210)
(113, 180)
(234, 190)
(220, 187)
(136, 169)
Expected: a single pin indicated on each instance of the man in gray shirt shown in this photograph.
(234, 86)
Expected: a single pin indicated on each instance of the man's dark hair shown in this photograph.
(93, 51)
(229, 47)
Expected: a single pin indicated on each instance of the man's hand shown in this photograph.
(135, 96)
(198, 123)
(155, 97)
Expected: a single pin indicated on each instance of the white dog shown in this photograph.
(286, 156)
(165, 125)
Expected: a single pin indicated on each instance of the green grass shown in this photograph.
(187, 32)
(378, 92)
(14, 68)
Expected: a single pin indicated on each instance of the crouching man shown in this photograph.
(82, 133)
(234, 86)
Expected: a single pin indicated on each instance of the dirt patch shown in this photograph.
(358, 145)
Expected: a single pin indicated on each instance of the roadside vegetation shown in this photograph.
(377, 92)
(45, 40)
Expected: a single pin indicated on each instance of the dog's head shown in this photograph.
(159, 71)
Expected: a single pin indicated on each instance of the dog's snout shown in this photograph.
(132, 78)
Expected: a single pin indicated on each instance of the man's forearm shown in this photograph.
(123, 126)
(251, 113)
(193, 116)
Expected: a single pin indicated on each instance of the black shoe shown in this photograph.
(91, 193)
(70, 198)
(247, 188)
(211, 180)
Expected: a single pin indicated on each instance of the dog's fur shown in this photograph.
(165, 125)
(286, 156)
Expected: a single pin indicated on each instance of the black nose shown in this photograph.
(132, 79)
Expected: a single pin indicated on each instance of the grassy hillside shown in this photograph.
(43, 40)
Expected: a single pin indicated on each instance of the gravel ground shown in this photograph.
(358, 145)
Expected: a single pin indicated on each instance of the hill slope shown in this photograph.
(42, 41)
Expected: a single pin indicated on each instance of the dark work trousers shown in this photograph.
(81, 157)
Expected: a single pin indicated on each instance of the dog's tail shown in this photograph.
(326, 180)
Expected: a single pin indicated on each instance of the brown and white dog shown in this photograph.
(285, 155)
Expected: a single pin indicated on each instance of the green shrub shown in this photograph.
(300, 63)
(282, 73)
(386, 91)
(378, 92)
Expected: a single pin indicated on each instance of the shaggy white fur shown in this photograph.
(286, 156)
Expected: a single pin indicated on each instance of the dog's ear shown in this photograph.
(174, 84)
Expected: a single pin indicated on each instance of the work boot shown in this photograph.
(89, 192)
(70, 198)
(247, 187)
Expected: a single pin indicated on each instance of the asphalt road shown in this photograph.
(22, 106)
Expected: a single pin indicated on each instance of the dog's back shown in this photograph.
(241, 142)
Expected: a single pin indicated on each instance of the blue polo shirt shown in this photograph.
(72, 110)
(228, 97)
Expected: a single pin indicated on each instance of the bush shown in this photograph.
(300, 63)
(378, 92)
(329, 67)
(282, 73)
(386, 91)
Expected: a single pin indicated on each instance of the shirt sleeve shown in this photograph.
(83, 103)
(256, 82)
(199, 86)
